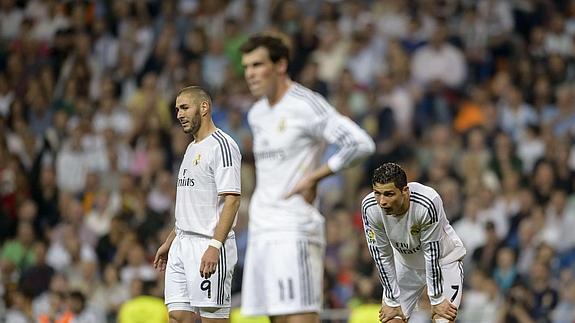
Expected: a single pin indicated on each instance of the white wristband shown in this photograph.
(216, 244)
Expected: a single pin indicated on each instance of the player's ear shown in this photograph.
(204, 108)
(282, 66)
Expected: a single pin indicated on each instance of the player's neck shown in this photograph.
(280, 90)
(405, 204)
(206, 129)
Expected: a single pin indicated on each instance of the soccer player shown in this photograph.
(291, 126)
(199, 255)
(412, 245)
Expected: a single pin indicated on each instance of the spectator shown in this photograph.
(142, 306)
(19, 251)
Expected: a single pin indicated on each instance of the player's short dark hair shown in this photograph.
(390, 173)
(277, 47)
(198, 94)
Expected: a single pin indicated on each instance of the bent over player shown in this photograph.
(413, 246)
(291, 127)
(200, 254)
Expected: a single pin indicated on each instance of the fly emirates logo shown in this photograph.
(185, 181)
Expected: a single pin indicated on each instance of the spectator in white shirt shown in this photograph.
(439, 61)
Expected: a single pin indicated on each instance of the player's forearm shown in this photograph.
(320, 173)
(356, 147)
(227, 217)
(171, 236)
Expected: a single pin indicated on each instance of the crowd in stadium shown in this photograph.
(475, 98)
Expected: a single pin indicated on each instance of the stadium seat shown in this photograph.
(237, 317)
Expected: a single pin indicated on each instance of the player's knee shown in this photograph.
(279, 319)
(180, 317)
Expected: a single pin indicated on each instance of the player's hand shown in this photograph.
(209, 262)
(161, 258)
(445, 309)
(388, 313)
(306, 187)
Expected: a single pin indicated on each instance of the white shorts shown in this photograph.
(282, 276)
(412, 284)
(186, 290)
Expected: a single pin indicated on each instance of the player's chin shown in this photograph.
(256, 91)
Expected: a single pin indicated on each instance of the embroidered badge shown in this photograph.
(370, 235)
(196, 160)
(282, 125)
(415, 229)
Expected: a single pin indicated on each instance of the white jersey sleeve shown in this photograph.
(353, 142)
(380, 249)
(431, 234)
(227, 163)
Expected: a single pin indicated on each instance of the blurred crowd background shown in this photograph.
(473, 97)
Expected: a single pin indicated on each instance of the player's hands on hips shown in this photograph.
(161, 258)
(209, 262)
(388, 313)
(445, 309)
(306, 187)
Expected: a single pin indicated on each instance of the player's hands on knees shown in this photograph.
(161, 258)
(209, 262)
(445, 309)
(391, 314)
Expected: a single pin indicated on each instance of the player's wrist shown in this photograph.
(436, 300)
(215, 243)
(391, 303)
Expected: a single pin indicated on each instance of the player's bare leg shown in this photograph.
(278, 319)
(182, 317)
(296, 318)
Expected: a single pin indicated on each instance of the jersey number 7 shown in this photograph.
(456, 288)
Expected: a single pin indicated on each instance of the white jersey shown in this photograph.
(289, 142)
(420, 239)
(210, 167)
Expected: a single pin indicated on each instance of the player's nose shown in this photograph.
(249, 73)
(382, 202)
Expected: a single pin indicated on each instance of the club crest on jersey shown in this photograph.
(196, 160)
(416, 228)
(282, 125)
(370, 235)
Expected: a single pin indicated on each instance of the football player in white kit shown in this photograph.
(413, 246)
(291, 126)
(199, 255)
